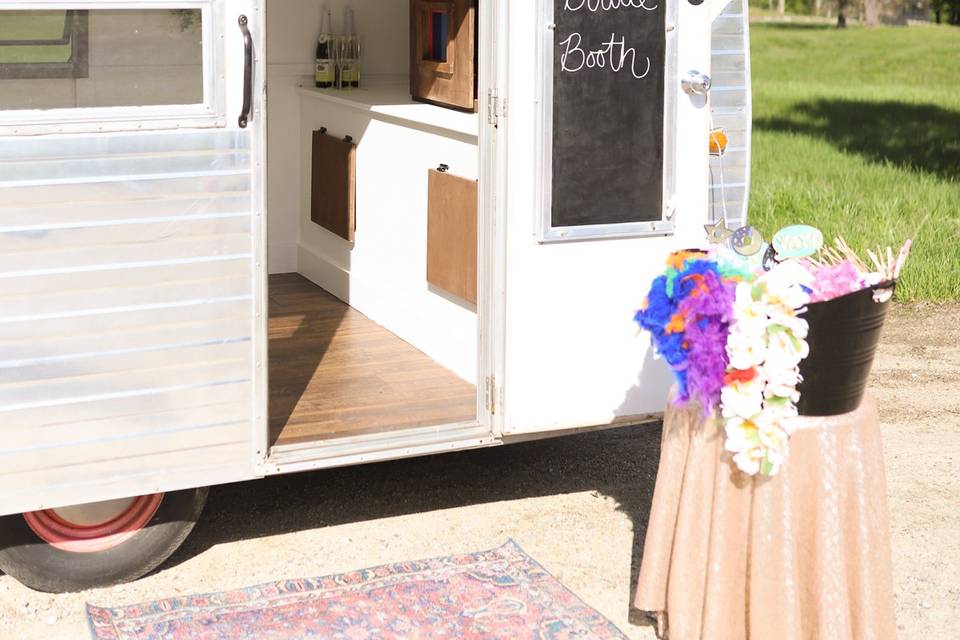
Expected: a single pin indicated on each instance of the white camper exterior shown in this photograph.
(137, 241)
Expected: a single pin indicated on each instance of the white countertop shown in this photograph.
(391, 100)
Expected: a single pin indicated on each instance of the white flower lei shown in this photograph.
(766, 344)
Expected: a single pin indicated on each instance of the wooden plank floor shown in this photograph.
(334, 372)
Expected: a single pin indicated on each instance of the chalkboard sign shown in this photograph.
(608, 112)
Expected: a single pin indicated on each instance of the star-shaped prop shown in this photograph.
(718, 233)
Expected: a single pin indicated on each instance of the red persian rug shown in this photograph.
(502, 593)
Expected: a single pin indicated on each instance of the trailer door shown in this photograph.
(613, 180)
(131, 248)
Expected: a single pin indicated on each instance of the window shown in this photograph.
(43, 44)
(101, 58)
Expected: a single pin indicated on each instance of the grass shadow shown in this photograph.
(921, 137)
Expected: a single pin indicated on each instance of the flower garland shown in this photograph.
(765, 347)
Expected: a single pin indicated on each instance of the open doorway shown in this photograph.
(374, 225)
(334, 372)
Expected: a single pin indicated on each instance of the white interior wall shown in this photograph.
(383, 274)
(292, 28)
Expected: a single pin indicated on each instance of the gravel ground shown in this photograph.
(577, 504)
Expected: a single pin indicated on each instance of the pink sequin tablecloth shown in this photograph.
(803, 555)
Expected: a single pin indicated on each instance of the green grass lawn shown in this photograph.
(857, 132)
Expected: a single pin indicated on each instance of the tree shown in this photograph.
(841, 16)
(946, 11)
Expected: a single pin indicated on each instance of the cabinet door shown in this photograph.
(452, 235)
(443, 52)
(333, 179)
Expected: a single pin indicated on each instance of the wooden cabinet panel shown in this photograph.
(443, 52)
(333, 184)
(452, 234)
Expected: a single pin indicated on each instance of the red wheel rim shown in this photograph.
(58, 530)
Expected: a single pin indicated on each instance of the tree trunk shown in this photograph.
(841, 20)
(781, 7)
(871, 13)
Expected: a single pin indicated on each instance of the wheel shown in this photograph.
(97, 544)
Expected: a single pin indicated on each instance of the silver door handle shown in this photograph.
(245, 113)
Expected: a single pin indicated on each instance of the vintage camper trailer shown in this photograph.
(211, 270)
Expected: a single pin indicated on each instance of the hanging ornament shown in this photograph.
(718, 233)
(718, 142)
(747, 241)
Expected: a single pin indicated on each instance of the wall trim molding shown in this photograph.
(381, 305)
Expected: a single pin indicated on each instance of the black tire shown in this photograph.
(43, 567)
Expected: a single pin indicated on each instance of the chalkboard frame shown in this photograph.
(546, 231)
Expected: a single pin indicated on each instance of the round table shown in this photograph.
(799, 556)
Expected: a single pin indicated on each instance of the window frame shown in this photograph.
(545, 232)
(210, 113)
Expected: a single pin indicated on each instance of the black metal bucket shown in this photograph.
(843, 338)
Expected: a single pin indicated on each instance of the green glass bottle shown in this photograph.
(325, 72)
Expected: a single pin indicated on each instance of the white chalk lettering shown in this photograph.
(614, 54)
(607, 5)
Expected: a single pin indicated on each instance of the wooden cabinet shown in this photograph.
(452, 235)
(333, 184)
(443, 58)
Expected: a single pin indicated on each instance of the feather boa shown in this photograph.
(688, 312)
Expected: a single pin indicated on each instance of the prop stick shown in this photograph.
(876, 262)
(839, 249)
(833, 255)
(851, 255)
(902, 257)
(883, 260)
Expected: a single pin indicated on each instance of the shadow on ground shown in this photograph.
(620, 463)
(921, 137)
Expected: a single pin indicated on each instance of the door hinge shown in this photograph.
(492, 395)
(495, 107)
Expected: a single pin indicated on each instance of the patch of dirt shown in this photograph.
(916, 379)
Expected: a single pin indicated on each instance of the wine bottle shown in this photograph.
(350, 74)
(325, 72)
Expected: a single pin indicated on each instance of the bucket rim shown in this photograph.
(886, 284)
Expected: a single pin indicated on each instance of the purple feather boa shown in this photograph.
(710, 314)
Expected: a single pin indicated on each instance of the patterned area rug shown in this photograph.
(498, 594)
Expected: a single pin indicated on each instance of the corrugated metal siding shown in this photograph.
(731, 108)
(126, 315)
